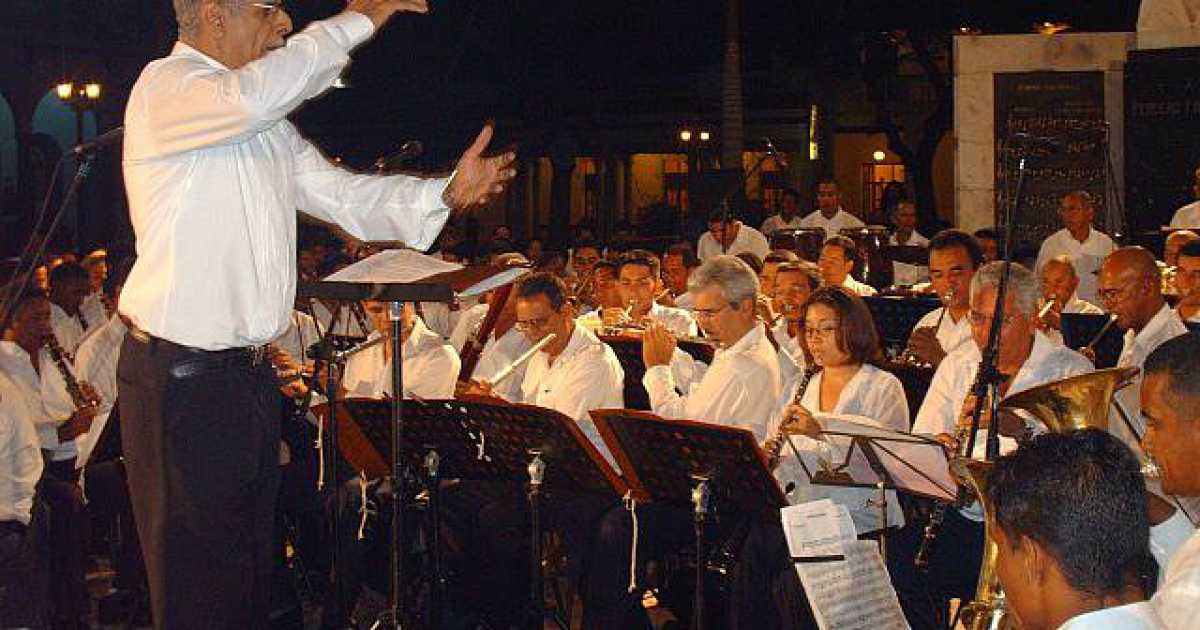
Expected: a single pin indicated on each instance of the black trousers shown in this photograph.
(108, 496)
(68, 541)
(953, 571)
(201, 444)
(23, 552)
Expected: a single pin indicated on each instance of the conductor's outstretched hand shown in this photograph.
(380, 11)
(477, 177)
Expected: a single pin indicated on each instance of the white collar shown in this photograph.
(1153, 328)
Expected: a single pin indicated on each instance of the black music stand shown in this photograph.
(895, 317)
(880, 459)
(1079, 329)
(683, 462)
(440, 287)
(628, 349)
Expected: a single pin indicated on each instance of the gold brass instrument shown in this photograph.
(1089, 351)
(988, 610)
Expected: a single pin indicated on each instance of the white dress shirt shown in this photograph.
(301, 333)
(776, 222)
(429, 369)
(1086, 257)
(951, 335)
(1137, 346)
(95, 364)
(904, 273)
(20, 457)
(1135, 616)
(740, 389)
(496, 355)
(1047, 361)
(93, 310)
(840, 221)
(1167, 538)
(67, 329)
(440, 318)
(748, 239)
(1177, 600)
(586, 375)
(860, 289)
(29, 392)
(215, 174)
(878, 397)
(1187, 216)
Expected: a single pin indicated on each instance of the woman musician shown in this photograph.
(842, 346)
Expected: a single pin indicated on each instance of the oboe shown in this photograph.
(60, 358)
(774, 446)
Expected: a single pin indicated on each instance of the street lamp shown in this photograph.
(685, 135)
(80, 100)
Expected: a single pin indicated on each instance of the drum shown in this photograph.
(805, 242)
(874, 265)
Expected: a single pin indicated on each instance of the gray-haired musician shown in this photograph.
(1026, 359)
(215, 174)
(1059, 295)
(1086, 245)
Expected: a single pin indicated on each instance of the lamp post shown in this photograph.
(81, 99)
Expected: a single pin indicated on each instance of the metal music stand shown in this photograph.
(895, 317)
(683, 462)
(440, 287)
(1079, 329)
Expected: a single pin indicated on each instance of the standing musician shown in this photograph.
(953, 258)
(1085, 245)
(1026, 358)
(841, 338)
(199, 404)
(1059, 283)
(1170, 396)
(838, 257)
(740, 389)
(1071, 532)
(639, 281)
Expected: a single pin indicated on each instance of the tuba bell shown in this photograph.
(1076, 402)
(988, 610)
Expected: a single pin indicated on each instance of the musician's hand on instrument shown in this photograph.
(476, 388)
(949, 443)
(613, 316)
(923, 343)
(294, 388)
(89, 392)
(800, 420)
(380, 11)
(478, 178)
(658, 344)
(77, 424)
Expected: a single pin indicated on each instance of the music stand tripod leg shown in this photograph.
(701, 505)
(538, 611)
(437, 590)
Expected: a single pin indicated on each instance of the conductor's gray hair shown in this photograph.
(187, 15)
(737, 280)
(1022, 285)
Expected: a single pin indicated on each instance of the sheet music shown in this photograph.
(407, 265)
(849, 594)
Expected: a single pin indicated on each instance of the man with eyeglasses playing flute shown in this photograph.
(215, 174)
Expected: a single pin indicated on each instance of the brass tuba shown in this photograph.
(988, 610)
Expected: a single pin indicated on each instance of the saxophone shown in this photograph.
(61, 359)
(774, 446)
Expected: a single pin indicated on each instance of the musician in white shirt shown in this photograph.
(839, 256)
(1059, 283)
(789, 214)
(829, 214)
(1086, 246)
(429, 364)
(794, 283)
(953, 258)
(678, 263)
(1169, 401)
(770, 269)
(1188, 216)
(1187, 282)
(69, 285)
(215, 174)
(22, 543)
(904, 219)
(1071, 533)
(639, 282)
(735, 236)
(503, 344)
(1026, 359)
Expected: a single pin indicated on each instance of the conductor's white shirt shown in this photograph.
(215, 174)
(586, 375)
(740, 389)
(429, 367)
(875, 395)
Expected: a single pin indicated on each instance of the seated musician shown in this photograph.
(69, 285)
(841, 338)
(1026, 358)
(1174, 244)
(829, 214)
(904, 220)
(770, 268)
(639, 283)
(1071, 532)
(789, 213)
(1187, 282)
(1085, 245)
(727, 235)
(953, 258)
(839, 255)
(500, 346)
(429, 365)
(1059, 283)
(1170, 397)
(740, 389)
(678, 263)
(989, 243)
(794, 283)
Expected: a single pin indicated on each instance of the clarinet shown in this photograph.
(61, 358)
(934, 526)
(774, 446)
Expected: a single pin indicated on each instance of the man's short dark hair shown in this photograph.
(780, 256)
(949, 239)
(848, 246)
(544, 283)
(1178, 359)
(810, 271)
(791, 192)
(589, 245)
(67, 272)
(716, 214)
(640, 258)
(1191, 249)
(684, 251)
(605, 263)
(1081, 496)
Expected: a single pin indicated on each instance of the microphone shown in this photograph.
(779, 158)
(100, 142)
(410, 149)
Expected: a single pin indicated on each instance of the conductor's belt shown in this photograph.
(196, 361)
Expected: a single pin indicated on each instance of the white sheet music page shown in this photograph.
(409, 265)
(851, 594)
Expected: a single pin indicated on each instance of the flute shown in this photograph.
(508, 369)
